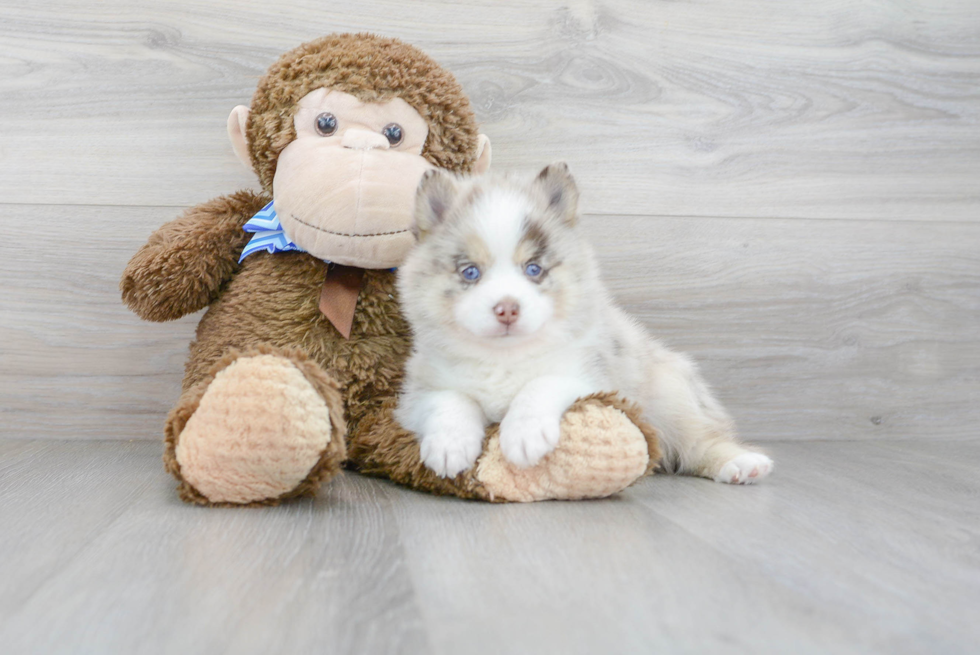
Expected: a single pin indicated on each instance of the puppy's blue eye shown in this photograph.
(470, 273)
(532, 270)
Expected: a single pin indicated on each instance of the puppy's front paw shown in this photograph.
(526, 437)
(747, 468)
(450, 449)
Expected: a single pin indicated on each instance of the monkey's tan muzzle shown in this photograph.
(354, 207)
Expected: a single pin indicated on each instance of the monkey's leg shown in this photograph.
(264, 425)
(604, 447)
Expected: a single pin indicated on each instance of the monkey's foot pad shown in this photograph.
(258, 431)
(601, 452)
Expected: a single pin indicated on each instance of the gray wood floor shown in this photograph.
(850, 548)
(787, 189)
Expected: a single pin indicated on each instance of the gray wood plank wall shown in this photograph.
(788, 190)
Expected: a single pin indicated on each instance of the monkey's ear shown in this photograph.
(435, 197)
(560, 191)
(236, 132)
(482, 164)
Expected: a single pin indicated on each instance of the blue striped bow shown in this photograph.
(269, 235)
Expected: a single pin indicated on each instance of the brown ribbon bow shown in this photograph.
(338, 297)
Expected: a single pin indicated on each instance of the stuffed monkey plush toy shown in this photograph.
(297, 361)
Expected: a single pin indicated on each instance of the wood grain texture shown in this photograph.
(813, 329)
(672, 114)
(147, 573)
(808, 329)
(848, 548)
(764, 109)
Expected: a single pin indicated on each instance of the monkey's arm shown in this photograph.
(183, 265)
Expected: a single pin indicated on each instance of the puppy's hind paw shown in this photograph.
(747, 468)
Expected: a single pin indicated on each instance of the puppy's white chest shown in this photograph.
(495, 384)
(494, 387)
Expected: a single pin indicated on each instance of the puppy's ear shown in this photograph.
(436, 194)
(483, 154)
(560, 192)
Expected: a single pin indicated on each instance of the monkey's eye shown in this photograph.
(532, 270)
(326, 124)
(470, 273)
(393, 132)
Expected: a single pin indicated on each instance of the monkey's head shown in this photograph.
(340, 132)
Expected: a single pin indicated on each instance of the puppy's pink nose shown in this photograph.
(507, 311)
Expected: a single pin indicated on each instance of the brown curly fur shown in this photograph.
(371, 68)
(181, 268)
(268, 303)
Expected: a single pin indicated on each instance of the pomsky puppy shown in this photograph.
(512, 324)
